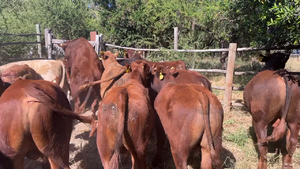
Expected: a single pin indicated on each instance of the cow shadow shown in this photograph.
(87, 156)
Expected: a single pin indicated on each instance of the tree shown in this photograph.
(68, 19)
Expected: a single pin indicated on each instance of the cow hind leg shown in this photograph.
(52, 136)
(291, 144)
(160, 141)
(18, 161)
(261, 134)
(180, 155)
(54, 165)
(206, 161)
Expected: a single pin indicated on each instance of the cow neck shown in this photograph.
(135, 75)
(157, 84)
(113, 63)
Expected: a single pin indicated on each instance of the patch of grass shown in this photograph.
(230, 121)
(239, 137)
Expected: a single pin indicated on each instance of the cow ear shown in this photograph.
(153, 69)
(125, 54)
(261, 57)
(128, 68)
(116, 54)
(172, 70)
(146, 68)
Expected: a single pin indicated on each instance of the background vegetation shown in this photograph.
(149, 23)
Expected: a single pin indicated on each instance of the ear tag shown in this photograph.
(102, 52)
(260, 58)
(128, 70)
(172, 67)
(161, 76)
(100, 58)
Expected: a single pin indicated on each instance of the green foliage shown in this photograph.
(287, 19)
(68, 19)
(266, 22)
(149, 23)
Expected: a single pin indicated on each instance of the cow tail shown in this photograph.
(122, 103)
(45, 98)
(82, 106)
(205, 103)
(280, 128)
(82, 87)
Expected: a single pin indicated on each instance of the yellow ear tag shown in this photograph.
(128, 70)
(102, 52)
(100, 58)
(260, 58)
(172, 67)
(161, 76)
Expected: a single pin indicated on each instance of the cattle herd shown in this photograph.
(131, 99)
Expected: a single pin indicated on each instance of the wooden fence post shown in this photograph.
(48, 43)
(100, 43)
(229, 76)
(175, 38)
(97, 44)
(38, 39)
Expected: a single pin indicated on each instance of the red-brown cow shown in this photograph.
(126, 117)
(82, 66)
(112, 69)
(273, 98)
(36, 121)
(191, 117)
(50, 70)
(16, 72)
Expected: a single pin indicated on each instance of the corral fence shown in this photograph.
(38, 39)
(98, 43)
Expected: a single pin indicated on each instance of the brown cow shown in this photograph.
(82, 66)
(273, 99)
(36, 121)
(126, 118)
(191, 117)
(16, 72)
(50, 70)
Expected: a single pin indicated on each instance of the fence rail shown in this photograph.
(19, 43)
(230, 68)
(28, 34)
(38, 37)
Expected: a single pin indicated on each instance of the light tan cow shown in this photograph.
(50, 70)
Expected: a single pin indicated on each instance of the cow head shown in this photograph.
(161, 75)
(108, 57)
(274, 61)
(140, 71)
(131, 54)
